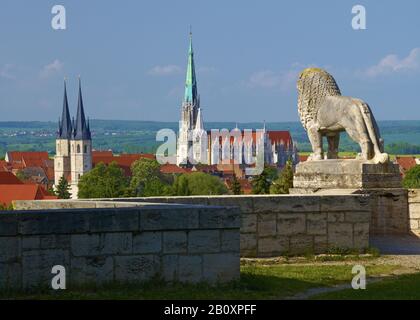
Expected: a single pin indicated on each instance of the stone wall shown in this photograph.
(272, 225)
(390, 211)
(101, 245)
(414, 210)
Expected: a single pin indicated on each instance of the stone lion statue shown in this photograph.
(325, 112)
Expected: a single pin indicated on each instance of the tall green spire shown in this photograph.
(190, 81)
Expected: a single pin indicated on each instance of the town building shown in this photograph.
(195, 145)
(73, 145)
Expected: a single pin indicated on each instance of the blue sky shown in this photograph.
(132, 57)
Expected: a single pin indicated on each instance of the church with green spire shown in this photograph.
(191, 128)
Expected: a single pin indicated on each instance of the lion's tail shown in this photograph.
(373, 131)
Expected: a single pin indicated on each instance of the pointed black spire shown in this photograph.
(64, 124)
(81, 130)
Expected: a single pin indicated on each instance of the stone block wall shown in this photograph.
(104, 245)
(272, 225)
(414, 210)
(390, 211)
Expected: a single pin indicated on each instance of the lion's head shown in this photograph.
(313, 85)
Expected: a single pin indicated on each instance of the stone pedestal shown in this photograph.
(311, 176)
(381, 181)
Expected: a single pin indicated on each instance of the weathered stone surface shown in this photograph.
(340, 235)
(8, 224)
(285, 203)
(291, 223)
(112, 220)
(203, 241)
(55, 241)
(356, 216)
(147, 242)
(301, 244)
(168, 219)
(170, 269)
(346, 174)
(267, 224)
(316, 224)
(190, 268)
(320, 244)
(10, 249)
(273, 246)
(92, 270)
(221, 267)
(230, 241)
(336, 216)
(37, 266)
(248, 223)
(361, 235)
(86, 245)
(225, 218)
(245, 203)
(249, 243)
(31, 242)
(116, 243)
(136, 267)
(10, 276)
(174, 242)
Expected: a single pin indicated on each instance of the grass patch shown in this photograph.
(406, 287)
(258, 281)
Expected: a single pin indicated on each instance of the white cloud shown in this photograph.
(268, 79)
(206, 69)
(51, 69)
(6, 72)
(393, 64)
(165, 70)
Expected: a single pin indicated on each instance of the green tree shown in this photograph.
(21, 175)
(198, 183)
(103, 181)
(62, 189)
(147, 180)
(285, 181)
(235, 187)
(412, 178)
(5, 207)
(261, 183)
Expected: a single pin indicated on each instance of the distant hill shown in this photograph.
(401, 137)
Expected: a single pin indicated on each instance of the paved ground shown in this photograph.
(396, 245)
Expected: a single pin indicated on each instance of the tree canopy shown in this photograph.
(103, 181)
(147, 180)
(412, 178)
(62, 189)
(284, 182)
(198, 183)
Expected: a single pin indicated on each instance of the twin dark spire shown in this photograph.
(79, 129)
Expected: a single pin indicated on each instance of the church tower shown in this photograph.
(190, 111)
(80, 147)
(64, 135)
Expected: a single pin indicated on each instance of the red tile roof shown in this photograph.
(11, 192)
(303, 158)
(173, 168)
(406, 163)
(279, 136)
(124, 160)
(246, 186)
(8, 178)
(18, 156)
(100, 153)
